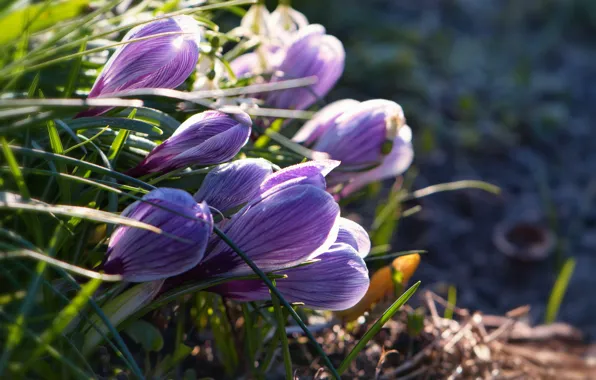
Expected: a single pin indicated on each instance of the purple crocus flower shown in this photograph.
(160, 62)
(312, 53)
(139, 255)
(337, 281)
(234, 184)
(207, 138)
(370, 139)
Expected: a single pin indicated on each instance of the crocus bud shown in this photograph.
(336, 282)
(161, 62)
(207, 138)
(230, 186)
(359, 137)
(140, 255)
(323, 120)
(311, 53)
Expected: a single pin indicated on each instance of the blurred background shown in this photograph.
(501, 91)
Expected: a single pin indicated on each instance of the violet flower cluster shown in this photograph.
(286, 221)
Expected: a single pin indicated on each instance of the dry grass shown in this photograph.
(469, 346)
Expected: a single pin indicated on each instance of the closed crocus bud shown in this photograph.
(207, 138)
(140, 255)
(360, 137)
(311, 53)
(323, 120)
(395, 163)
(232, 185)
(160, 62)
(336, 282)
(281, 229)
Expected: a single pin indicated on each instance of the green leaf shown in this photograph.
(37, 17)
(114, 123)
(66, 316)
(281, 331)
(376, 327)
(145, 334)
(558, 292)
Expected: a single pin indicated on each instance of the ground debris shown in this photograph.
(469, 346)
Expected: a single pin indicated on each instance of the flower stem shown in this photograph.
(281, 331)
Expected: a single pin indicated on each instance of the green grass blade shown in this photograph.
(58, 148)
(376, 327)
(558, 292)
(83, 164)
(14, 168)
(15, 331)
(451, 301)
(281, 331)
(65, 317)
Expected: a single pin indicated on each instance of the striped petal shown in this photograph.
(140, 255)
(354, 235)
(312, 53)
(279, 230)
(311, 173)
(336, 282)
(323, 120)
(161, 62)
(232, 185)
(208, 138)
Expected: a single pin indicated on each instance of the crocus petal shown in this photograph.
(160, 62)
(246, 65)
(323, 120)
(231, 185)
(358, 136)
(311, 172)
(139, 255)
(208, 138)
(337, 282)
(354, 235)
(394, 164)
(280, 230)
(312, 53)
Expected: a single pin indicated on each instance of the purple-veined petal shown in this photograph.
(311, 173)
(323, 120)
(354, 235)
(161, 62)
(280, 230)
(395, 163)
(231, 185)
(358, 136)
(312, 53)
(336, 282)
(140, 255)
(208, 138)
